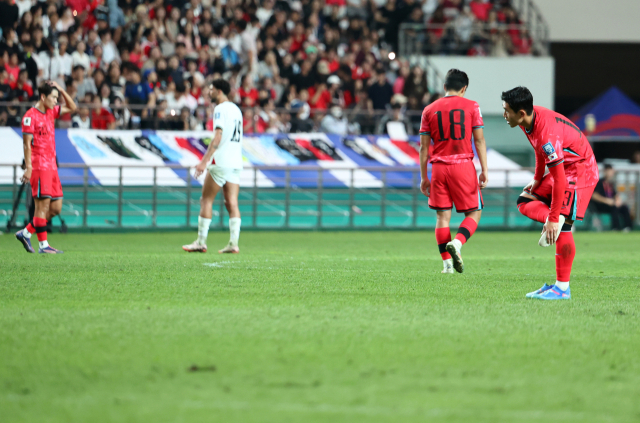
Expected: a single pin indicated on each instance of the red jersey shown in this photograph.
(556, 140)
(43, 145)
(450, 122)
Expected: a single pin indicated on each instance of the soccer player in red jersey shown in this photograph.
(560, 197)
(448, 125)
(38, 135)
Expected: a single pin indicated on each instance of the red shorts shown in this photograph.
(575, 202)
(45, 184)
(455, 184)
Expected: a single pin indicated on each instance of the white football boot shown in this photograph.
(447, 266)
(453, 248)
(231, 248)
(195, 247)
(543, 239)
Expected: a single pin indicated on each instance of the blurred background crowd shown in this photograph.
(300, 65)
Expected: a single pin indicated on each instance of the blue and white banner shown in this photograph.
(337, 155)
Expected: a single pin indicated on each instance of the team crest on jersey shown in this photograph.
(26, 121)
(550, 151)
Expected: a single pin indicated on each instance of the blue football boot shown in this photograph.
(554, 293)
(26, 242)
(544, 288)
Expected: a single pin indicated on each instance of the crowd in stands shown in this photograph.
(293, 65)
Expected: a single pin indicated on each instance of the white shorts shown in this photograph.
(222, 175)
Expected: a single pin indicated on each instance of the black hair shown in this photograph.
(76, 67)
(456, 80)
(241, 25)
(46, 89)
(519, 98)
(222, 85)
(607, 167)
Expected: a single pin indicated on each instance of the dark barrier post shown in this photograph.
(414, 206)
(188, 197)
(120, 195)
(637, 208)
(154, 201)
(85, 195)
(352, 204)
(255, 197)
(287, 196)
(383, 199)
(319, 191)
(507, 191)
(14, 188)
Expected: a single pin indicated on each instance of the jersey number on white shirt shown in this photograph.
(237, 130)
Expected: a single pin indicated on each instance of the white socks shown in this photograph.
(43, 244)
(447, 263)
(562, 285)
(203, 230)
(234, 229)
(26, 233)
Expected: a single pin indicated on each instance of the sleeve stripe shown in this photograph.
(550, 165)
(425, 133)
(478, 127)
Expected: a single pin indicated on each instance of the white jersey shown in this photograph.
(228, 117)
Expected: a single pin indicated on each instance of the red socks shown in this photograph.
(565, 252)
(467, 228)
(31, 228)
(40, 227)
(443, 236)
(535, 210)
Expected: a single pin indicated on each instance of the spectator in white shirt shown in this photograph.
(79, 57)
(57, 65)
(109, 49)
(82, 120)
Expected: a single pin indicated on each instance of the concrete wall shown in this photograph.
(592, 20)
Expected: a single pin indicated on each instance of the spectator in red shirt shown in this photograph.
(23, 89)
(13, 68)
(247, 90)
(319, 96)
(480, 9)
(101, 118)
(137, 55)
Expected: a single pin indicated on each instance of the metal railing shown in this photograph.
(302, 197)
(367, 119)
(529, 13)
(416, 38)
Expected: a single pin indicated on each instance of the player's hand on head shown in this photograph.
(425, 187)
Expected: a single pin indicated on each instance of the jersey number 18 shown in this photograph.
(452, 125)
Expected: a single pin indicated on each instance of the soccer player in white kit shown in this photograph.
(223, 163)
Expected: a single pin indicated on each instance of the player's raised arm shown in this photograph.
(26, 144)
(213, 146)
(69, 105)
(425, 185)
(481, 149)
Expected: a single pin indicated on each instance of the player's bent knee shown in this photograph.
(524, 198)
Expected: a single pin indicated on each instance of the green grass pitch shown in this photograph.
(317, 327)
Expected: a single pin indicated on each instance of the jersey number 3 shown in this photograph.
(452, 125)
(237, 130)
